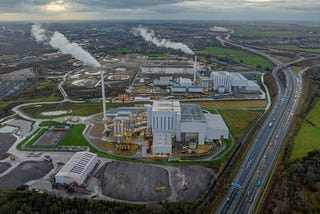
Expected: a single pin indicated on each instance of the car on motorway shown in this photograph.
(259, 183)
(270, 124)
(277, 136)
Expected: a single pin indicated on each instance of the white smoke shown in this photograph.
(59, 41)
(149, 36)
(219, 29)
(38, 33)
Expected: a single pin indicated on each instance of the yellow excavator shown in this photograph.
(159, 188)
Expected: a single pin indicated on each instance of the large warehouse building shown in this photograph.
(77, 168)
(226, 82)
(185, 122)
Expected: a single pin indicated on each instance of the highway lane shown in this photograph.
(262, 154)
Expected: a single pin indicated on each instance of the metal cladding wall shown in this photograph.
(195, 127)
(178, 89)
(195, 89)
(221, 80)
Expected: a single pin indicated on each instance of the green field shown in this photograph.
(240, 56)
(120, 50)
(157, 55)
(75, 137)
(49, 123)
(308, 136)
(9, 57)
(296, 48)
(51, 98)
(239, 121)
(78, 109)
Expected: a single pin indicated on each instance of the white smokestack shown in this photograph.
(149, 36)
(103, 92)
(195, 69)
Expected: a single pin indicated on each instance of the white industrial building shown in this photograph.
(185, 122)
(166, 69)
(226, 82)
(77, 168)
(162, 143)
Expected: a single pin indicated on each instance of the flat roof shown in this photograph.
(169, 106)
(192, 113)
(215, 121)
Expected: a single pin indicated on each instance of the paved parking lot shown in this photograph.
(50, 138)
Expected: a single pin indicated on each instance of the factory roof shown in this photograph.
(192, 113)
(77, 165)
(235, 75)
(171, 106)
(215, 121)
(114, 111)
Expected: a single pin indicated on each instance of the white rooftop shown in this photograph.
(76, 166)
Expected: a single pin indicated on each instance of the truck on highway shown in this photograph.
(236, 185)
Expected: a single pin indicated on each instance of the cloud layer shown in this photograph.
(161, 9)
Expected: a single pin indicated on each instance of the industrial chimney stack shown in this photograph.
(103, 96)
(195, 70)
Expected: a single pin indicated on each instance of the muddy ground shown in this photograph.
(4, 166)
(133, 181)
(6, 141)
(24, 172)
(136, 182)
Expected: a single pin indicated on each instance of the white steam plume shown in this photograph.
(149, 36)
(59, 41)
(38, 33)
(219, 29)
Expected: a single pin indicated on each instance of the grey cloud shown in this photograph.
(127, 3)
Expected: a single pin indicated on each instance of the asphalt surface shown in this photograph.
(259, 161)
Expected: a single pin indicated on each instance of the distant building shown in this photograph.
(185, 82)
(77, 169)
(226, 82)
(166, 69)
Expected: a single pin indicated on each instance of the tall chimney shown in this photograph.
(103, 96)
(195, 70)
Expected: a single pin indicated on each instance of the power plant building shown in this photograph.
(185, 122)
(226, 82)
(77, 169)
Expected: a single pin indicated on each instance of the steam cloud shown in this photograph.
(149, 36)
(38, 33)
(219, 29)
(59, 41)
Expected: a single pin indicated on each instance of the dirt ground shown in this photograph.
(6, 141)
(24, 172)
(197, 179)
(133, 181)
(4, 166)
(136, 182)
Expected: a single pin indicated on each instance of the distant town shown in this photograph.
(172, 115)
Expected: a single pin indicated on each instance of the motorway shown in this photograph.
(262, 155)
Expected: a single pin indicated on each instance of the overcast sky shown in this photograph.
(160, 9)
